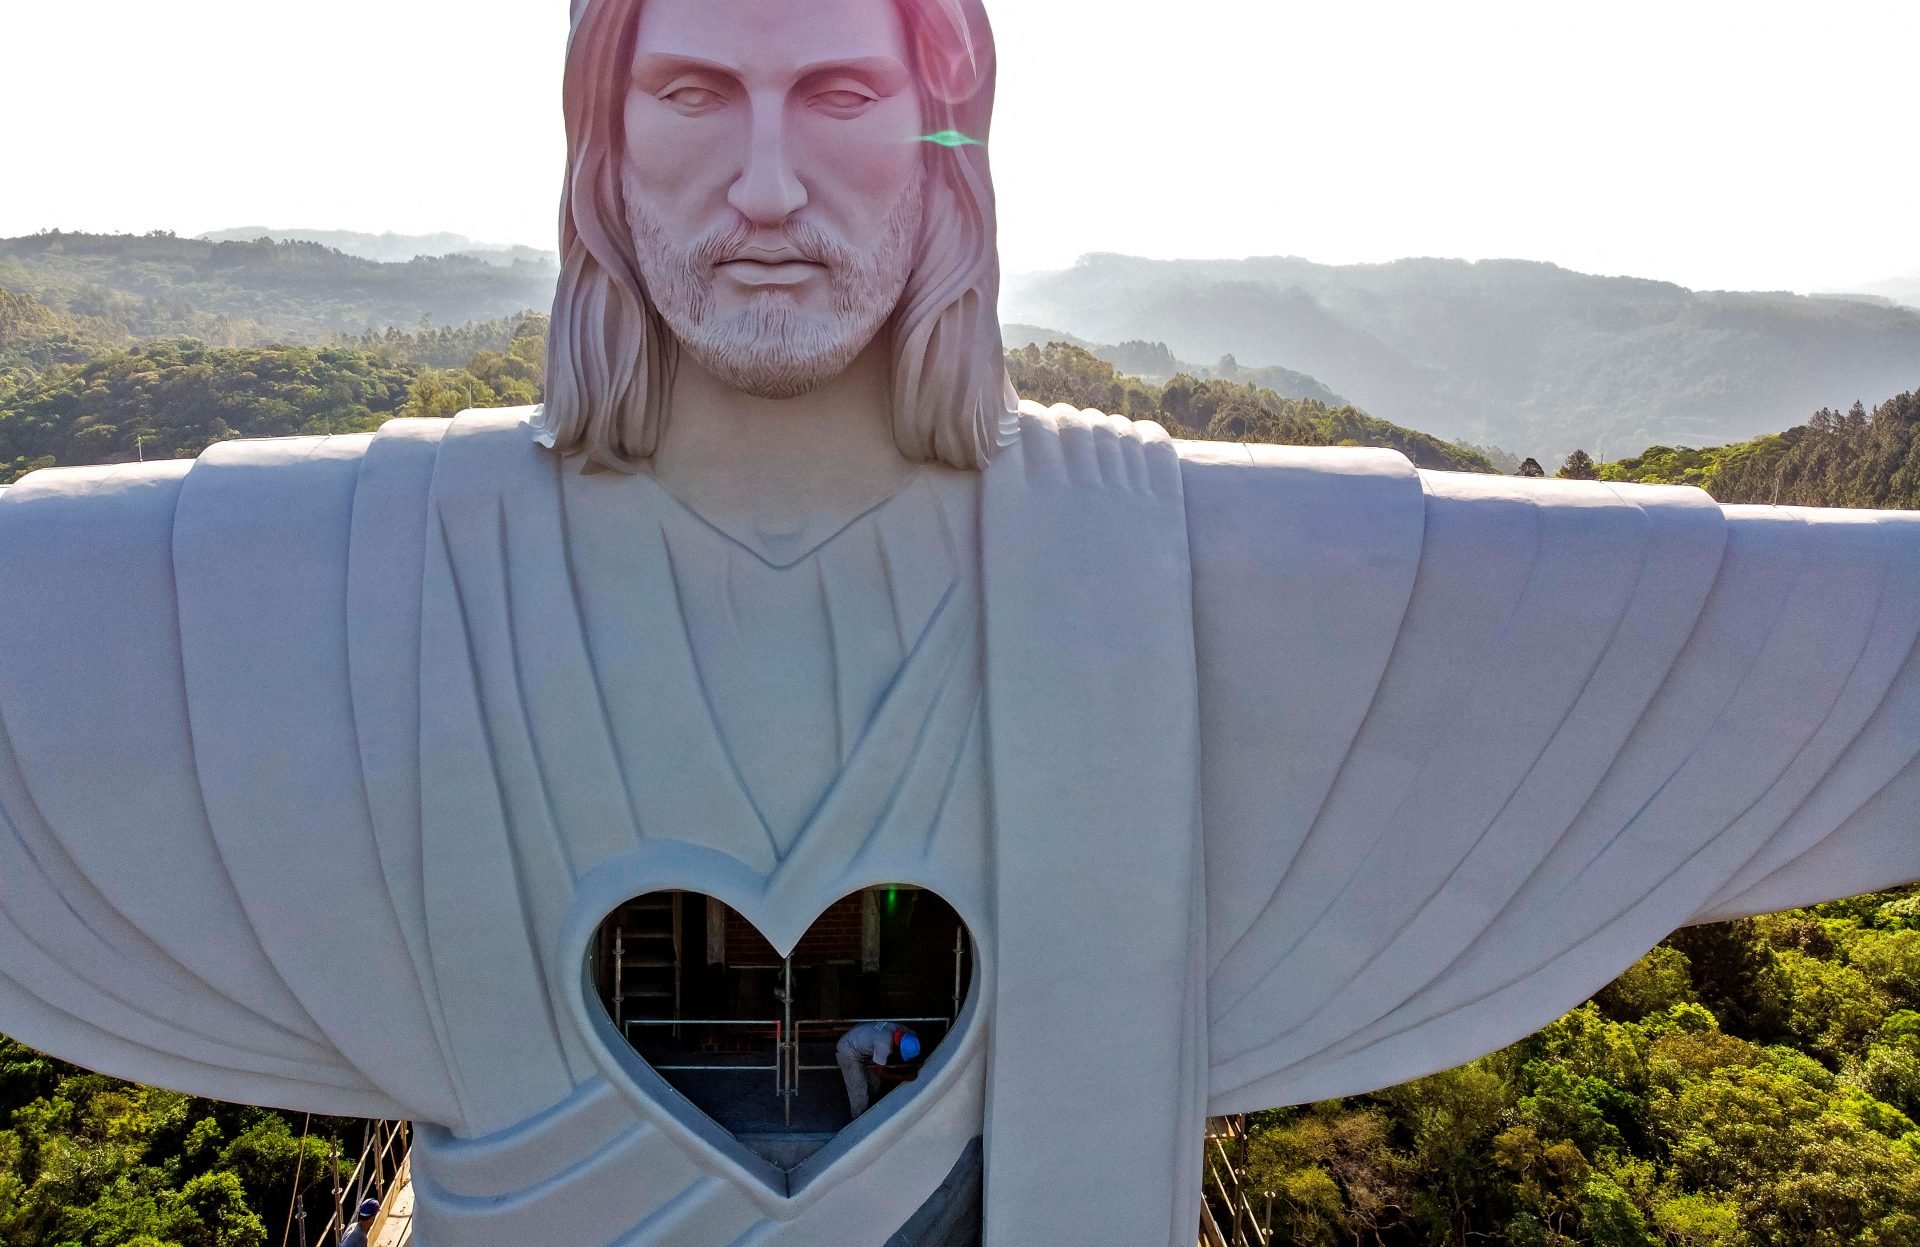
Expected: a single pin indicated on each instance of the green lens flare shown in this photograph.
(951, 138)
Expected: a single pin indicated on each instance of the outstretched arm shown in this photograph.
(192, 893)
(1472, 744)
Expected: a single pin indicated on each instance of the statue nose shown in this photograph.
(769, 189)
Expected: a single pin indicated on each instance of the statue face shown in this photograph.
(772, 178)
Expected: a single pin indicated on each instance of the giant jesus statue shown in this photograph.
(1265, 774)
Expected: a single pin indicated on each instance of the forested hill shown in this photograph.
(1503, 352)
(1855, 458)
(172, 398)
(69, 396)
(388, 248)
(1218, 409)
(247, 293)
(1521, 355)
(1153, 361)
(34, 337)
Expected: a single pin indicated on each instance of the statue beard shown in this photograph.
(773, 348)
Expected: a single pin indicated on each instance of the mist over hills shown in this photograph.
(240, 293)
(1499, 354)
(1520, 354)
(1152, 361)
(1899, 289)
(389, 248)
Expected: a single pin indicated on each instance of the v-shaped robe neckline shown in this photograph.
(783, 549)
(662, 712)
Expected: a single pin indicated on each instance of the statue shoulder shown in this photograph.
(291, 462)
(491, 457)
(1076, 449)
(1208, 465)
(1039, 420)
(265, 499)
(1242, 497)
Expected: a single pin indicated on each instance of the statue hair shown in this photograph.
(610, 355)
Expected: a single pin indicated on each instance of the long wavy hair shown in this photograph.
(610, 356)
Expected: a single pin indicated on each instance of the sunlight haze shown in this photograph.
(1718, 145)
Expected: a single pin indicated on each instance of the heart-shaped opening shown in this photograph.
(782, 1051)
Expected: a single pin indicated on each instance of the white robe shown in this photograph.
(1302, 773)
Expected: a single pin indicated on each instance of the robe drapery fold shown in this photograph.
(1295, 772)
(1093, 717)
(1603, 712)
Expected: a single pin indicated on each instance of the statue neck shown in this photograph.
(791, 471)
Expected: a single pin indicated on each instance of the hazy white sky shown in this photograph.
(1719, 144)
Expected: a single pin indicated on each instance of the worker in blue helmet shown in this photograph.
(872, 1053)
(360, 1233)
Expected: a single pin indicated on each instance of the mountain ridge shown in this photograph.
(1513, 352)
(389, 247)
(258, 291)
(1153, 361)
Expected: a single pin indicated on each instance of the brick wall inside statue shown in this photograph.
(834, 936)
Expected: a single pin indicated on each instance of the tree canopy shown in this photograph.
(1855, 458)
(88, 1161)
(1219, 409)
(172, 398)
(1749, 1084)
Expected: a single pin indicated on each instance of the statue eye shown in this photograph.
(842, 103)
(692, 100)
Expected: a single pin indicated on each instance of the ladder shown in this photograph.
(384, 1172)
(647, 959)
(395, 1226)
(1227, 1214)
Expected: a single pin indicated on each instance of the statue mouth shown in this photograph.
(772, 272)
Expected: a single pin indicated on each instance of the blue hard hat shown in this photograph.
(369, 1207)
(909, 1046)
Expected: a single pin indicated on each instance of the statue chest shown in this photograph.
(777, 738)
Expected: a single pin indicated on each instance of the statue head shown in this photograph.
(769, 186)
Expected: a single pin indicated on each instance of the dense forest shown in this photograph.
(1749, 1084)
(1219, 409)
(88, 1161)
(1855, 458)
(171, 398)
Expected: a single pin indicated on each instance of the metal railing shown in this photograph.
(777, 1065)
(796, 1067)
(786, 1064)
(1224, 1190)
(383, 1157)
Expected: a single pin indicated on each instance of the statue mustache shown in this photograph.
(808, 240)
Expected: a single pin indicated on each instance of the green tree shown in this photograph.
(1219, 409)
(1658, 981)
(1334, 1172)
(1578, 467)
(1450, 1120)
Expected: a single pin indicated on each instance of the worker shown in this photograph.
(360, 1233)
(872, 1053)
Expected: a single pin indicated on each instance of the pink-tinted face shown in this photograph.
(773, 180)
